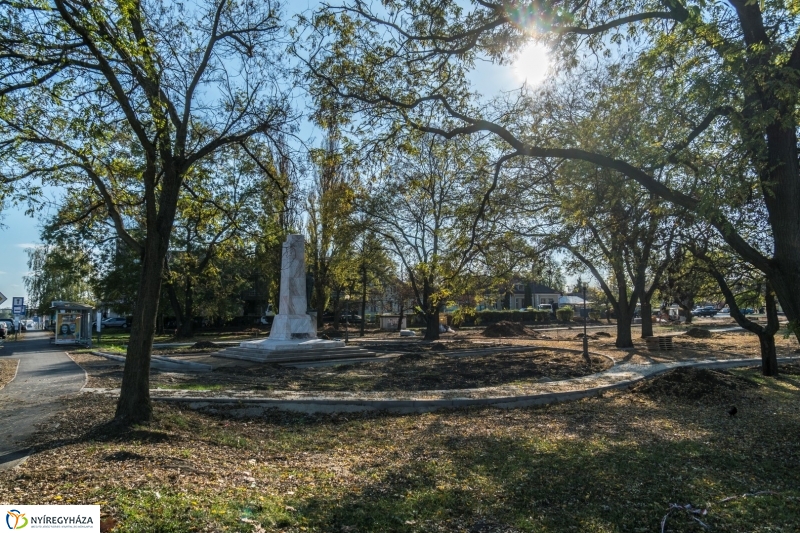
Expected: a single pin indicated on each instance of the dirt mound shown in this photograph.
(695, 384)
(699, 333)
(602, 334)
(504, 328)
(330, 333)
(204, 344)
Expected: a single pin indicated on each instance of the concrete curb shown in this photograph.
(248, 407)
(162, 363)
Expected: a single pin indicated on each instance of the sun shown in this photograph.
(532, 63)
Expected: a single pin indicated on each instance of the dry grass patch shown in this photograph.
(8, 369)
(607, 464)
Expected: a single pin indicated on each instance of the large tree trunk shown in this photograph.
(432, 327)
(134, 399)
(624, 309)
(624, 333)
(687, 310)
(769, 357)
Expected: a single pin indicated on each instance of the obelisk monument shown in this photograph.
(293, 329)
(293, 322)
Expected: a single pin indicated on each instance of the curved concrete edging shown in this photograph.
(257, 406)
(161, 363)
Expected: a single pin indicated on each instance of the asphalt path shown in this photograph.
(45, 374)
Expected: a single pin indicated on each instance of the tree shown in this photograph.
(330, 225)
(419, 205)
(56, 274)
(144, 92)
(713, 80)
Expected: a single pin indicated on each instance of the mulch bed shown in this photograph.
(699, 333)
(696, 384)
(504, 328)
(412, 371)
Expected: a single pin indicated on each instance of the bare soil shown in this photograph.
(411, 371)
(504, 328)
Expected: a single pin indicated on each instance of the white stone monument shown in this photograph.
(293, 329)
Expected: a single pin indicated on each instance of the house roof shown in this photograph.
(570, 300)
(538, 288)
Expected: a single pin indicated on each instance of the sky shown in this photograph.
(19, 231)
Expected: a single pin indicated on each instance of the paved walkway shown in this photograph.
(45, 373)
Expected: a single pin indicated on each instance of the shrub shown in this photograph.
(492, 316)
(564, 314)
(594, 315)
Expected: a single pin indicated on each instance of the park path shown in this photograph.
(45, 373)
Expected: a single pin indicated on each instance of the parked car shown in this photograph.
(9, 325)
(708, 310)
(725, 310)
(748, 311)
(115, 322)
(3, 330)
(352, 318)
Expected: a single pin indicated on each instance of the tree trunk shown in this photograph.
(400, 320)
(363, 298)
(624, 334)
(624, 309)
(687, 311)
(176, 307)
(320, 304)
(134, 401)
(769, 357)
(432, 327)
(647, 319)
(188, 323)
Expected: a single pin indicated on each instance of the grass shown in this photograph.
(608, 464)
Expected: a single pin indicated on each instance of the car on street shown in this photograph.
(708, 310)
(3, 330)
(9, 325)
(352, 318)
(115, 322)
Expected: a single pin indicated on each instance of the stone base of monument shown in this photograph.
(293, 351)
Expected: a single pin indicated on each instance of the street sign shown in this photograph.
(19, 309)
(2, 298)
(17, 300)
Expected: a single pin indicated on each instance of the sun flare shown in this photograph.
(532, 63)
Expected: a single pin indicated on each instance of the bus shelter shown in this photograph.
(73, 323)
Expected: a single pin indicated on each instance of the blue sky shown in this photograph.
(19, 231)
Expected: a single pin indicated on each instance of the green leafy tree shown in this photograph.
(127, 97)
(705, 84)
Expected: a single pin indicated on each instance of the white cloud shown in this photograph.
(27, 245)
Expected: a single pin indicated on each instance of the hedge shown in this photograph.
(491, 316)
